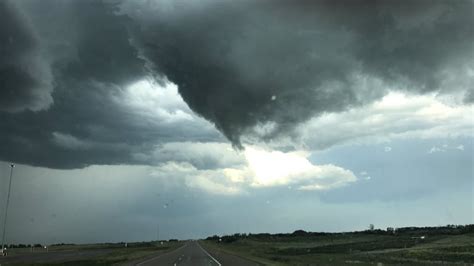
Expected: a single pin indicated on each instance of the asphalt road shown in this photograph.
(193, 254)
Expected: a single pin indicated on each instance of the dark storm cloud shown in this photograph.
(253, 68)
(93, 63)
(24, 77)
(90, 57)
(230, 58)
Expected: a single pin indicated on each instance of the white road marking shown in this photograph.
(207, 253)
(154, 258)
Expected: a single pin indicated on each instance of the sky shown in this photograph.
(132, 120)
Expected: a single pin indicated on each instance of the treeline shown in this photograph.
(97, 245)
(410, 231)
(428, 230)
(28, 245)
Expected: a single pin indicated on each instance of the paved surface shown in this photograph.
(190, 254)
(230, 260)
(193, 254)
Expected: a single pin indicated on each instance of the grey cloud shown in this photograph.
(93, 62)
(25, 78)
(230, 58)
(396, 116)
(87, 127)
(69, 142)
(200, 155)
(241, 65)
(469, 96)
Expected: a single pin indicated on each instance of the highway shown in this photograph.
(193, 254)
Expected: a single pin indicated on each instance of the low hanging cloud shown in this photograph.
(241, 64)
(202, 155)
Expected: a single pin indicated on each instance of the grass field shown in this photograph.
(450, 245)
(93, 254)
(362, 248)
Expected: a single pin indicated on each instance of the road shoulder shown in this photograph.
(229, 258)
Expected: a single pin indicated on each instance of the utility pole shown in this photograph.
(158, 232)
(6, 208)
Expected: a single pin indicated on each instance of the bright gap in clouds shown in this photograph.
(158, 101)
(253, 169)
(276, 168)
(265, 167)
(234, 172)
(259, 167)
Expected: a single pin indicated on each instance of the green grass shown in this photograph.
(118, 255)
(349, 249)
(73, 263)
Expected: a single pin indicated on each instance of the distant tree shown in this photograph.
(299, 233)
(230, 239)
(371, 227)
(213, 238)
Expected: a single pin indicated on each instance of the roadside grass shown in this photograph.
(241, 250)
(118, 254)
(130, 254)
(348, 249)
(69, 263)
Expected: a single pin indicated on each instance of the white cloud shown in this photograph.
(276, 168)
(445, 147)
(435, 149)
(163, 102)
(365, 175)
(257, 168)
(203, 155)
(387, 149)
(326, 177)
(395, 116)
(161, 105)
(212, 181)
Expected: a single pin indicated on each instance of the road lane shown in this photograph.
(191, 254)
